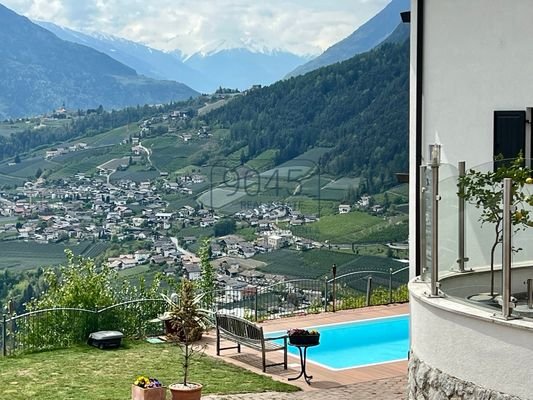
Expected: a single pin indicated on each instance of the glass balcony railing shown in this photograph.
(481, 242)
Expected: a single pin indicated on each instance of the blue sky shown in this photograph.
(299, 26)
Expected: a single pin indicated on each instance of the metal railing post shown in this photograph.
(507, 249)
(461, 234)
(326, 294)
(423, 209)
(97, 327)
(4, 335)
(255, 305)
(435, 164)
(529, 293)
(390, 285)
(368, 290)
(334, 270)
(139, 324)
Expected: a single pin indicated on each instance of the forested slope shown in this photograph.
(358, 107)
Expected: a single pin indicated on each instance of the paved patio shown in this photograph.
(384, 381)
(384, 389)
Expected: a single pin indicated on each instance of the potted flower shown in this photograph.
(303, 336)
(188, 321)
(145, 388)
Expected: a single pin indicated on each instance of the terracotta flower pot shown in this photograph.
(156, 393)
(193, 391)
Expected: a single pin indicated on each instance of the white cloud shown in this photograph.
(300, 26)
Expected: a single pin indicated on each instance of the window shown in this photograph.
(510, 134)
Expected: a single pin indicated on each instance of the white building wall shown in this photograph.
(470, 344)
(478, 58)
(476, 61)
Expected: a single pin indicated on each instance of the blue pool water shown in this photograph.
(360, 343)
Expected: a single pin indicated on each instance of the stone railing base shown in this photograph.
(427, 383)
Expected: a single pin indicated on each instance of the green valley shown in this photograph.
(299, 174)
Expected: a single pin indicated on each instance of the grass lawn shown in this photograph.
(138, 270)
(212, 106)
(86, 161)
(7, 128)
(91, 374)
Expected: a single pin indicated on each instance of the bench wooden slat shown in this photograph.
(244, 332)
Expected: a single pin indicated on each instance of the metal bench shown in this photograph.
(245, 333)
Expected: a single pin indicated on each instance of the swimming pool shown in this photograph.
(360, 343)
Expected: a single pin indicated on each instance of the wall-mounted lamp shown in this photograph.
(434, 154)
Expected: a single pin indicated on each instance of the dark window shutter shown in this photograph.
(509, 134)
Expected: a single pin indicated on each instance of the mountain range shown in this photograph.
(231, 65)
(366, 37)
(39, 72)
(240, 68)
(143, 59)
(239, 64)
(44, 68)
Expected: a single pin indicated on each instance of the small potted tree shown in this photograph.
(188, 321)
(484, 190)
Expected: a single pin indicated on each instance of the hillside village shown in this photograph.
(89, 209)
(85, 208)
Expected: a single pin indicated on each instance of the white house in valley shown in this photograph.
(344, 208)
(471, 92)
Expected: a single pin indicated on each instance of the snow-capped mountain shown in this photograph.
(216, 46)
(234, 64)
(243, 67)
(145, 60)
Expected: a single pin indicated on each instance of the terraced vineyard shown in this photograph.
(95, 249)
(242, 186)
(340, 228)
(317, 263)
(20, 255)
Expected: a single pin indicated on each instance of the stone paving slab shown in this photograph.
(383, 389)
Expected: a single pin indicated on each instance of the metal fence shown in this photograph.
(132, 317)
(303, 296)
(277, 300)
(63, 327)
